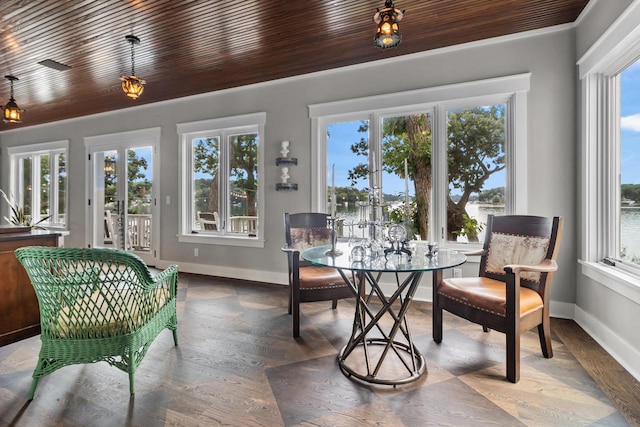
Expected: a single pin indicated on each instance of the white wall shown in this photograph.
(550, 57)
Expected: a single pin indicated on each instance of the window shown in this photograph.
(629, 205)
(609, 74)
(38, 182)
(443, 165)
(221, 191)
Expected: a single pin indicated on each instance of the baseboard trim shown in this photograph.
(618, 348)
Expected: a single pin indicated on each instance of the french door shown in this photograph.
(122, 198)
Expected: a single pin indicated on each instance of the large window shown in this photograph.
(629, 206)
(38, 183)
(442, 166)
(610, 78)
(221, 188)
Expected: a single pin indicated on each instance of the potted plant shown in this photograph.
(18, 216)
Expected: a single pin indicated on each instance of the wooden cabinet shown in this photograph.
(19, 310)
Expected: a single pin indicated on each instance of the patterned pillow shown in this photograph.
(304, 238)
(507, 249)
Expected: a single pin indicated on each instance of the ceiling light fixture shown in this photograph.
(132, 85)
(388, 32)
(11, 112)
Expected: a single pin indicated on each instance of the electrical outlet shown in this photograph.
(195, 251)
(457, 272)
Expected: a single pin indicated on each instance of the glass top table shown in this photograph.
(380, 327)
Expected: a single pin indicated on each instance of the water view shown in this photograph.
(630, 232)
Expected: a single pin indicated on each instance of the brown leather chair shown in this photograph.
(307, 282)
(511, 294)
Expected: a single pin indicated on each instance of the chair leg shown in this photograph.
(485, 329)
(175, 336)
(36, 376)
(131, 387)
(334, 304)
(290, 299)
(544, 332)
(296, 320)
(436, 329)
(32, 390)
(513, 357)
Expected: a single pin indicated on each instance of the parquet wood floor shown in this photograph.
(238, 365)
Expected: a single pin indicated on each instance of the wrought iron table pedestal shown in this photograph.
(380, 328)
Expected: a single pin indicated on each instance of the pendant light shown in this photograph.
(132, 85)
(11, 112)
(388, 31)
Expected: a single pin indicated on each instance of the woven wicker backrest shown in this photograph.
(94, 293)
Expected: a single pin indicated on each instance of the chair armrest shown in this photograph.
(287, 248)
(169, 274)
(479, 252)
(546, 266)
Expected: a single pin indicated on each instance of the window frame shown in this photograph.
(598, 71)
(222, 128)
(51, 149)
(510, 90)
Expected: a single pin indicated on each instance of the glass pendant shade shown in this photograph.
(132, 86)
(11, 112)
(388, 31)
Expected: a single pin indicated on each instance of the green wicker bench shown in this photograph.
(97, 305)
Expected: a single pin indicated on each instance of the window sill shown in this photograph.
(202, 239)
(619, 281)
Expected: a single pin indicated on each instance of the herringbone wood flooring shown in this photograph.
(237, 364)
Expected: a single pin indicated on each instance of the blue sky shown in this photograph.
(630, 124)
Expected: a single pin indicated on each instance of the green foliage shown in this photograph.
(494, 196)
(476, 147)
(243, 171)
(18, 216)
(630, 192)
(471, 228)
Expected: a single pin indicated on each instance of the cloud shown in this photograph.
(631, 122)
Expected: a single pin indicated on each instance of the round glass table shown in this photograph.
(380, 327)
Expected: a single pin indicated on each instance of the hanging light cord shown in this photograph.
(133, 59)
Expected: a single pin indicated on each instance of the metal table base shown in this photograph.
(396, 340)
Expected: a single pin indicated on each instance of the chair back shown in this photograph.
(520, 239)
(93, 292)
(305, 230)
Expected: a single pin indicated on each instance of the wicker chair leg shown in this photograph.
(32, 390)
(131, 385)
(175, 337)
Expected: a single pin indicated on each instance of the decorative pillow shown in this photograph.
(304, 238)
(507, 249)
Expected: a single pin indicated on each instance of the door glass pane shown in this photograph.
(205, 184)
(24, 199)
(408, 194)
(348, 168)
(476, 170)
(106, 200)
(45, 180)
(243, 183)
(62, 189)
(629, 214)
(139, 193)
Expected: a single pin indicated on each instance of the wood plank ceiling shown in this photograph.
(191, 47)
